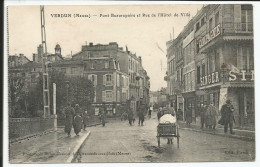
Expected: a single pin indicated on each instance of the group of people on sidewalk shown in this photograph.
(209, 116)
(76, 118)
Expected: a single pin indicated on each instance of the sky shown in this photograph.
(145, 36)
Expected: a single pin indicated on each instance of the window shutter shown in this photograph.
(95, 76)
(103, 96)
(237, 13)
(104, 79)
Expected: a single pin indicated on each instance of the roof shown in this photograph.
(30, 64)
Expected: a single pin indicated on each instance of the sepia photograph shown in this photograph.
(130, 83)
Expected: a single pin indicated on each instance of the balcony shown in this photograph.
(233, 27)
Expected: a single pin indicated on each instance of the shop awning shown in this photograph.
(228, 38)
(242, 85)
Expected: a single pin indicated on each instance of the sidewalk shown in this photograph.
(53, 147)
(239, 134)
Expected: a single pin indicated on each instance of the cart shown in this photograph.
(169, 131)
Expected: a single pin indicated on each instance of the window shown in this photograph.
(203, 21)
(91, 65)
(74, 70)
(93, 79)
(210, 24)
(118, 80)
(85, 67)
(203, 70)
(124, 96)
(106, 64)
(109, 96)
(216, 18)
(246, 18)
(95, 97)
(198, 74)
(63, 70)
(118, 96)
(197, 26)
(107, 79)
(247, 58)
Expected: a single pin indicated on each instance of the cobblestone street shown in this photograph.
(119, 142)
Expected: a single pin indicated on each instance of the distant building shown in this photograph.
(15, 60)
(50, 57)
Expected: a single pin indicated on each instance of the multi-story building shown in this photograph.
(129, 64)
(221, 59)
(110, 84)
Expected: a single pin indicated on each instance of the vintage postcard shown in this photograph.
(131, 83)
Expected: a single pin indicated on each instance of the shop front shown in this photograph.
(110, 109)
(243, 101)
(190, 101)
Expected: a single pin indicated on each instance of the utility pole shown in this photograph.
(46, 93)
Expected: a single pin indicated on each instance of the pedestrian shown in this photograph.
(159, 114)
(69, 114)
(188, 115)
(85, 118)
(212, 116)
(227, 114)
(77, 120)
(180, 114)
(202, 115)
(149, 113)
(102, 118)
(77, 123)
(141, 116)
(130, 117)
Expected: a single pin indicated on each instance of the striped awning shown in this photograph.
(228, 38)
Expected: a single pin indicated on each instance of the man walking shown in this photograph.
(227, 115)
(69, 114)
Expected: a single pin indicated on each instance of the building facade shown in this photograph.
(220, 63)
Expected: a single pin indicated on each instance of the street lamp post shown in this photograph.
(223, 70)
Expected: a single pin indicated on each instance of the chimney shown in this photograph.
(21, 55)
(34, 56)
(91, 44)
(140, 59)
(40, 53)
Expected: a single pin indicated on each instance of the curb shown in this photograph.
(223, 135)
(76, 148)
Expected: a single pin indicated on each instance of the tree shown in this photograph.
(16, 95)
(81, 91)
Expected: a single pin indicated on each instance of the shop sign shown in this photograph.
(209, 79)
(209, 36)
(188, 39)
(233, 75)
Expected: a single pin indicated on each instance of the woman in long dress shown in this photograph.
(69, 113)
(77, 123)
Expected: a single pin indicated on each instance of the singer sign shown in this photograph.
(209, 36)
